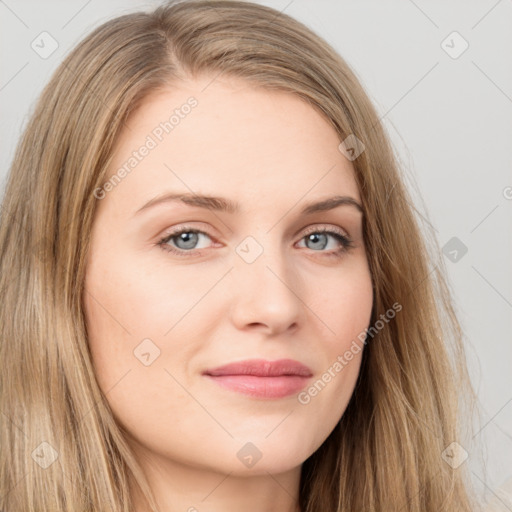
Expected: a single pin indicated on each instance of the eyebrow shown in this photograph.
(222, 204)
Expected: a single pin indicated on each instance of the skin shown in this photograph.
(272, 153)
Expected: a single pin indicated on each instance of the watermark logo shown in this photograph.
(44, 45)
(454, 455)
(146, 352)
(249, 455)
(249, 249)
(45, 455)
(351, 147)
(454, 45)
(455, 249)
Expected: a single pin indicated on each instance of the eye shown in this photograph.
(185, 240)
(318, 239)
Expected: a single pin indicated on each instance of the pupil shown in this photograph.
(188, 239)
(314, 238)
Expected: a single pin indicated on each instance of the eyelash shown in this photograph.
(346, 243)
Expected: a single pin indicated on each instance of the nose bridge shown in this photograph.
(266, 289)
(257, 254)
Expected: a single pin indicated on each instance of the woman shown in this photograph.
(216, 295)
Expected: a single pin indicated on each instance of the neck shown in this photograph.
(180, 487)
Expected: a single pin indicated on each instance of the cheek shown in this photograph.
(163, 305)
(343, 306)
(125, 298)
(343, 303)
(133, 309)
(128, 315)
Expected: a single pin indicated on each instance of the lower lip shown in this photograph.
(262, 387)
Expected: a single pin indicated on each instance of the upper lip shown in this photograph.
(262, 368)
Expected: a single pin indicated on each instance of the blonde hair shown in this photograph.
(386, 451)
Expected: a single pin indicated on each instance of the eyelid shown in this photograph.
(323, 227)
(198, 226)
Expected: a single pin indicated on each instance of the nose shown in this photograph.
(264, 294)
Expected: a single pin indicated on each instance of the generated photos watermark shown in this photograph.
(304, 397)
(152, 140)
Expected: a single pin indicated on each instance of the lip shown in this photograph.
(261, 378)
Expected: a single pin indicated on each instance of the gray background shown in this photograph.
(449, 117)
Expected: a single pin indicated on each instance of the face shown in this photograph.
(178, 288)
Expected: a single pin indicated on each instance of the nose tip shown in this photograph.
(264, 294)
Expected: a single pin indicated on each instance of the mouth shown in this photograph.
(261, 378)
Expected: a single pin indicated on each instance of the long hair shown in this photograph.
(61, 449)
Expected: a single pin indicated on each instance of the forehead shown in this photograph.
(227, 137)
